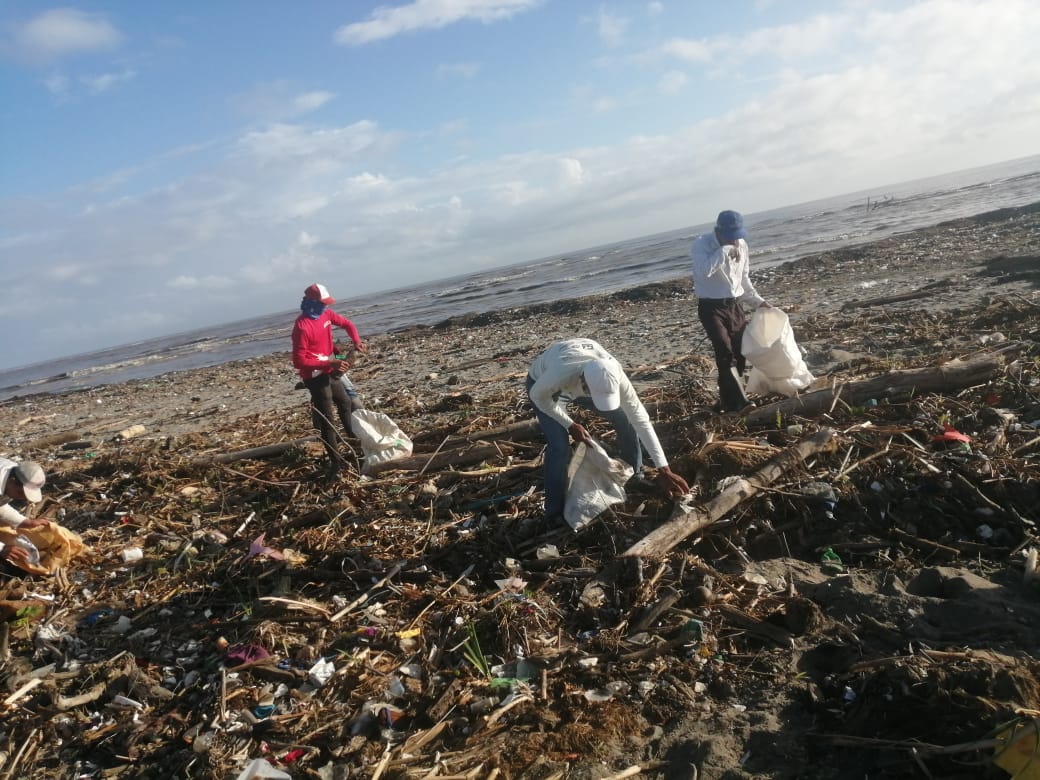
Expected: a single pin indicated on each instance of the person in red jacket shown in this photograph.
(313, 355)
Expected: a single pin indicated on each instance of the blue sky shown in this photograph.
(171, 165)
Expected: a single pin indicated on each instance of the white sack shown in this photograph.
(381, 439)
(595, 481)
(776, 362)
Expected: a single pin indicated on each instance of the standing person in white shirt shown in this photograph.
(582, 372)
(721, 282)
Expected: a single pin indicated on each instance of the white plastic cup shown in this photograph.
(131, 554)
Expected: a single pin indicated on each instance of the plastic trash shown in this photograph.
(832, 562)
(29, 547)
(131, 432)
(321, 672)
(260, 768)
(1018, 754)
(1030, 574)
(131, 554)
(595, 482)
(777, 365)
(823, 495)
(381, 439)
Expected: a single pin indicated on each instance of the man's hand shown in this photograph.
(338, 366)
(15, 554)
(671, 483)
(578, 433)
(765, 305)
(361, 347)
(35, 522)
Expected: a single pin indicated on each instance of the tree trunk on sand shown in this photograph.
(267, 451)
(954, 375)
(436, 461)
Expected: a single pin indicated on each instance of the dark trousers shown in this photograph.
(724, 322)
(328, 393)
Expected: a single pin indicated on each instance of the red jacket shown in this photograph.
(312, 346)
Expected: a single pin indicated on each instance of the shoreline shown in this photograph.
(643, 325)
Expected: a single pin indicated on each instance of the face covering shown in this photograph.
(312, 309)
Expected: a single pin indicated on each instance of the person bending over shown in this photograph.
(581, 372)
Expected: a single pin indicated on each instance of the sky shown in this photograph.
(167, 166)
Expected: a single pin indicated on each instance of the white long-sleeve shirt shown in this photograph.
(8, 514)
(722, 271)
(557, 380)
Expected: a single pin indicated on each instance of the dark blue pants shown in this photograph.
(558, 449)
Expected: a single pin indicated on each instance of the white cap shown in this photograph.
(603, 378)
(31, 477)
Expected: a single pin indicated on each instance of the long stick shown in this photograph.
(365, 596)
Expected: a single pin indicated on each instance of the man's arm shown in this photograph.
(542, 392)
(350, 328)
(708, 258)
(670, 482)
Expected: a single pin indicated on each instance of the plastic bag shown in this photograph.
(381, 439)
(776, 362)
(56, 546)
(595, 481)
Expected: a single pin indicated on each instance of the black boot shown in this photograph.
(731, 391)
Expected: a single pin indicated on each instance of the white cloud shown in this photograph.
(462, 70)
(934, 86)
(611, 27)
(654, 8)
(388, 22)
(105, 81)
(279, 100)
(57, 84)
(211, 282)
(63, 32)
(687, 50)
(672, 82)
(311, 101)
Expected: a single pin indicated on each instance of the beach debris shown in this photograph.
(413, 625)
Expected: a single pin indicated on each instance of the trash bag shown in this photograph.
(56, 545)
(776, 362)
(595, 481)
(381, 439)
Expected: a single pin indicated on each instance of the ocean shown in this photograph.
(776, 236)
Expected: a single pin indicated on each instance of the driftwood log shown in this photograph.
(689, 520)
(953, 375)
(920, 292)
(266, 451)
(435, 461)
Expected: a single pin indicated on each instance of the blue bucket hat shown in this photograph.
(730, 225)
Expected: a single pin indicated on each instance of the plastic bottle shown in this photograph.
(824, 496)
(29, 547)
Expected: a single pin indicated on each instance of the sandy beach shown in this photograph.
(488, 352)
(758, 662)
